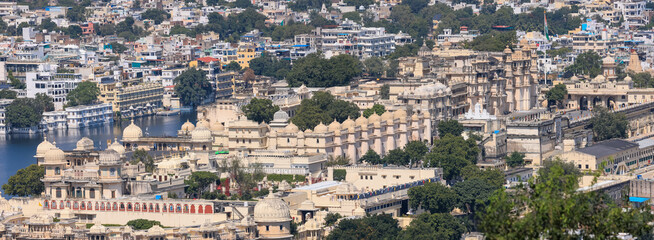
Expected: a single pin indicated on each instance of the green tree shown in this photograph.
(452, 153)
(23, 112)
(117, 47)
(260, 110)
(7, 94)
(416, 151)
(233, 66)
(433, 197)
(376, 109)
(316, 71)
(557, 94)
(76, 14)
(339, 174)
(449, 127)
(493, 177)
(515, 159)
(474, 194)
(371, 157)
(74, 31)
(607, 125)
(84, 94)
(156, 15)
(384, 92)
(26, 182)
(268, 65)
(48, 24)
(393, 68)
(143, 156)
(44, 102)
(374, 66)
(15, 82)
(587, 63)
(354, 16)
(552, 208)
(323, 107)
(143, 224)
(416, 5)
(492, 42)
(199, 182)
(192, 87)
(332, 218)
(396, 157)
(380, 226)
(434, 226)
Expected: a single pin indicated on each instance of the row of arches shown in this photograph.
(130, 207)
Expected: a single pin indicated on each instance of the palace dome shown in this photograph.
(201, 134)
(187, 126)
(374, 118)
(132, 132)
(401, 114)
(321, 128)
(433, 89)
(54, 155)
(608, 60)
(109, 157)
(291, 128)
(271, 209)
(98, 229)
(202, 123)
(362, 121)
(348, 124)
(84, 144)
(44, 147)
(628, 79)
(280, 116)
(117, 147)
(156, 230)
(387, 116)
(415, 117)
(217, 126)
(334, 126)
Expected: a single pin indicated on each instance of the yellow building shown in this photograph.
(245, 53)
(135, 100)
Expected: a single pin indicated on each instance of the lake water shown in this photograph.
(17, 151)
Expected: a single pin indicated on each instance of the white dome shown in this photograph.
(117, 147)
(55, 155)
(156, 230)
(202, 123)
(98, 229)
(271, 209)
(217, 126)
(291, 128)
(348, 123)
(187, 126)
(44, 147)
(85, 144)
(321, 128)
(201, 134)
(608, 60)
(109, 157)
(132, 132)
(280, 116)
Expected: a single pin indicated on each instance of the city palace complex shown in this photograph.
(308, 117)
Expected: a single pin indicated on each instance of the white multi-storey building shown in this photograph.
(352, 39)
(55, 85)
(632, 12)
(82, 116)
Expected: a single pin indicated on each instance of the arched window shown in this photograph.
(45, 204)
(207, 209)
(115, 207)
(68, 204)
(192, 208)
(145, 207)
(92, 193)
(164, 208)
(156, 207)
(58, 192)
(57, 171)
(122, 207)
(97, 206)
(54, 205)
(82, 206)
(102, 206)
(112, 172)
(129, 206)
(61, 204)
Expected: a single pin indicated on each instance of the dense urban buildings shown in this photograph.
(269, 119)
